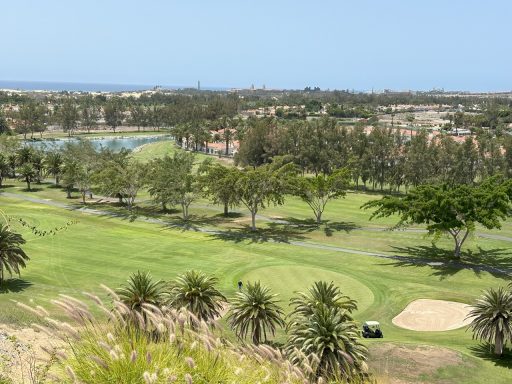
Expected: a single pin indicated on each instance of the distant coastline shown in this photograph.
(85, 87)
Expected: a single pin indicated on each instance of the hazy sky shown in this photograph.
(357, 44)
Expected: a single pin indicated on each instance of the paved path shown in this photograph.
(241, 236)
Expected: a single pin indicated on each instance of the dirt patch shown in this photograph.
(22, 357)
(433, 315)
(401, 364)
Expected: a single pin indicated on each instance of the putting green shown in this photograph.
(287, 279)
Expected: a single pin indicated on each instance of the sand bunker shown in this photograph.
(433, 315)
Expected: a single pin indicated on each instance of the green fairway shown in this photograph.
(286, 280)
(101, 249)
(168, 147)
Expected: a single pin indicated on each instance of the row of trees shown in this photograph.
(323, 337)
(445, 208)
(34, 116)
(384, 157)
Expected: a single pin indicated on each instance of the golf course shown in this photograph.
(384, 270)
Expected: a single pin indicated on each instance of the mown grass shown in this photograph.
(100, 249)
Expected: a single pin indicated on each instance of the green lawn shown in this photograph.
(101, 249)
(161, 148)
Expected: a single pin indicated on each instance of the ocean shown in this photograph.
(86, 87)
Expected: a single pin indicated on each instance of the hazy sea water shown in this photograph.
(85, 87)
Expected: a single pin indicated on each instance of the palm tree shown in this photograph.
(141, 289)
(256, 311)
(27, 173)
(12, 257)
(327, 344)
(4, 168)
(196, 292)
(322, 293)
(492, 318)
(53, 165)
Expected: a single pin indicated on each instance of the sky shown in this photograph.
(344, 44)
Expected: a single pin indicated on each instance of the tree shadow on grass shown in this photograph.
(485, 351)
(14, 286)
(339, 226)
(260, 235)
(497, 261)
(310, 225)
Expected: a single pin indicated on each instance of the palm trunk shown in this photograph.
(498, 344)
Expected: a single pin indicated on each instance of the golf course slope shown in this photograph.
(433, 315)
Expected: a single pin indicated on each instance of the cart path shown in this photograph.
(304, 244)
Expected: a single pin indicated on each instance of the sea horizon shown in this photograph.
(58, 86)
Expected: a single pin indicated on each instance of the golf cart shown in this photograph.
(371, 329)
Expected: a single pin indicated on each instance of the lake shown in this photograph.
(113, 143)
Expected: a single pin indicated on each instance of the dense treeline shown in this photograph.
(380, 157)
(31, 114)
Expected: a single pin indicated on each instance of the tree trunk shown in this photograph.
(226, 207)
(227, 147)
(56, 179)
(68, 191)
(164, 207)
(458, 242)
(83, 197)
(253, 221)
(498, 344)
(185, 211)
(28, 183)
(318, 215)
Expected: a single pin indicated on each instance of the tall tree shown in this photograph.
(27, 173)
(319, 190)
(447, 209)
(89, 114)
(172, 181)
(68, 116)
(219, 184)
(114, 113)
(122, 179)
(259, 187)
(53, 164)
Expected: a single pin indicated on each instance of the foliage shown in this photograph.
(122, 178)
(323, 339)
(114, 113)
(219, 184)
(255, 311)
(141, 289)
(452, 209)
(264, 185)
(114, 352)
(317, 191)
(491, 318)
(12, 256)
(320, 294)
(196, 292)
(171, 181)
